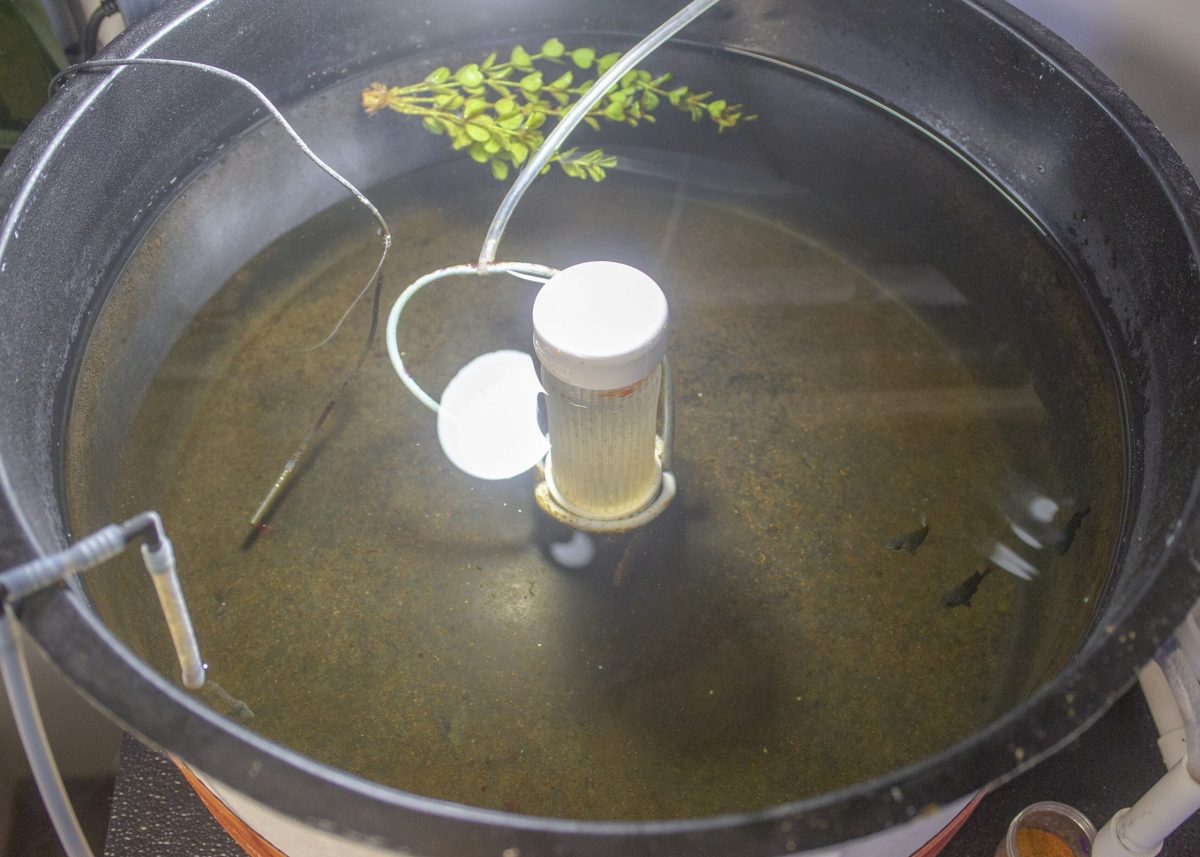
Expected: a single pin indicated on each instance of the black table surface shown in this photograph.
(156, 813)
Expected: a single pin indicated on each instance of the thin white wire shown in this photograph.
(555, 139)
(529, 277)
(525, 270)
(385, 233)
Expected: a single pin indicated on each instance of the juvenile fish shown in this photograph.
(961, 595)
(910, 541)
(1068, 536)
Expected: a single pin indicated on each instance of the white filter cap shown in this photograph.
(600, 325)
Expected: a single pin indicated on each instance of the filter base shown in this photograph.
(549, 502)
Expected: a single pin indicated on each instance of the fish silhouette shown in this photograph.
(961, 595)
(1064, 542)
(909, 542)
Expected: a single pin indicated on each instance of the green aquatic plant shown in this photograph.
(495, 110)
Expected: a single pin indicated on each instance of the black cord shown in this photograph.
(91, 31)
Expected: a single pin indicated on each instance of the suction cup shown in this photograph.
(487, 423)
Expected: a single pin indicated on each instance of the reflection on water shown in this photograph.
(1040, 527)
(865, 431)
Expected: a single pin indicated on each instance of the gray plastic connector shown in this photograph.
(86, 553)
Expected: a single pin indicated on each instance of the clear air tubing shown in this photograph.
(524, 270)
(33, 737)
(24, 580)
(575, 115)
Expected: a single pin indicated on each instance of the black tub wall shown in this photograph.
(1148, 49)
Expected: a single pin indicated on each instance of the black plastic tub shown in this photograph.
(111, 152)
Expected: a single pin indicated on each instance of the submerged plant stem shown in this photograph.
(258, 519)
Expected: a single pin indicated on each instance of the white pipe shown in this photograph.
(1172, 740)
(1186, 690)
(1106, 843)
(1169, 685)
(1188, 635)
(1169, 803)
(1140, 830)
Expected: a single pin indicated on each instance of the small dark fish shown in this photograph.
(961, 595)
(910, 541)
(1068, 535)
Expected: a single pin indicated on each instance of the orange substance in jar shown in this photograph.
(1041, 843)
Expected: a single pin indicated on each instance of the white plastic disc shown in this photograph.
(487, 423)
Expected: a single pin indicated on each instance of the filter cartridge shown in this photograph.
(600, 332)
